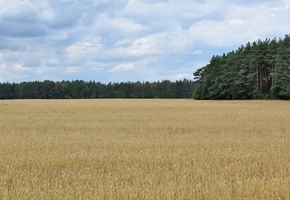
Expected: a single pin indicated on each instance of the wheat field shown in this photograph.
(144, 149)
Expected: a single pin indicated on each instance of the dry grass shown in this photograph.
(144, 149)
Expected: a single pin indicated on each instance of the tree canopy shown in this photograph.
(256, 70)
(79, 89)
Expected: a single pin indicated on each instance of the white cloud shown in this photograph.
(237, 22)
(197, 52)
(3, 66)
(119, 23)
(19, 12)
(123, 42)
(287, 4)
(123, 67)
(3, 69)
(144, 39)
(71, 70)
(82, 47)
(44, 70)
(96, 66)
(18, 67)
(99, 2)
(47, 15)
(241, 24)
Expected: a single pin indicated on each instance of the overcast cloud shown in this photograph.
(128, 40)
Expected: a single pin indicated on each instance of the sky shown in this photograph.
(128, 40)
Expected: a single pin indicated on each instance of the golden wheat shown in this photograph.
(144, 149)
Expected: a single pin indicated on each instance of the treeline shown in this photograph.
(79, 89)
(258, 70)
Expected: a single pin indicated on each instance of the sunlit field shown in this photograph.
(144, 149)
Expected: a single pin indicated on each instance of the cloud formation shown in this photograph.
(130, 40)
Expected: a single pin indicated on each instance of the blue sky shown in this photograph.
(128, 40)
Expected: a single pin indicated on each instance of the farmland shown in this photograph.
(144, 149)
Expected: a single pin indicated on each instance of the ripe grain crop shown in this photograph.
(144, 149)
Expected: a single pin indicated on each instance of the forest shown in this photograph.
(79, 89)
(258, 70)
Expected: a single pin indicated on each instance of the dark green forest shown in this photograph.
(258, 70)
(79, 89)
